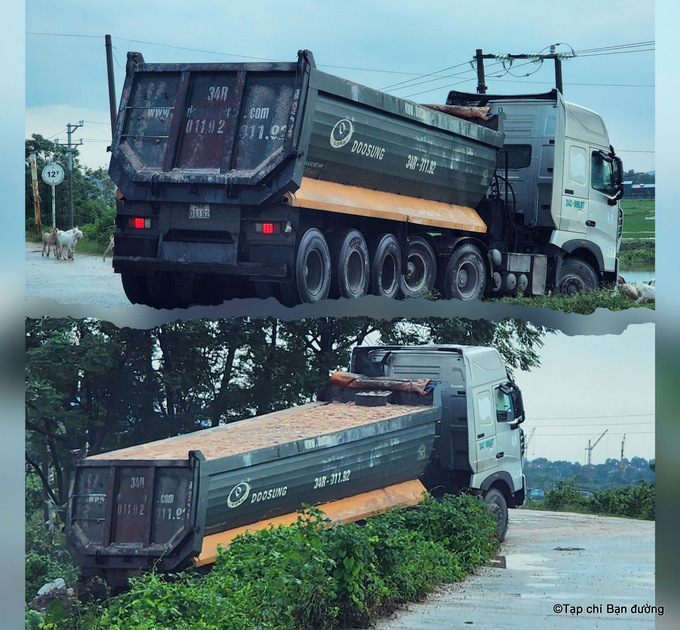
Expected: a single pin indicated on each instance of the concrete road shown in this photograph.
(568, 571)
(83, 280)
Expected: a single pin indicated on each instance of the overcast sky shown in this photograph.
(587, 384)
(380, 44)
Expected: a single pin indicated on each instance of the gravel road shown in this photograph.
(555, 563)
(83, 280)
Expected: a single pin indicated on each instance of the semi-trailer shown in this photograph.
(278, 179)
(403, 421)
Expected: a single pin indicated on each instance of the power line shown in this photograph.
(635, 85)
(616, 415)
(590, 433)
(621, 52)
(590, 424)
(429, 74)
(619, 46)
(64, 35)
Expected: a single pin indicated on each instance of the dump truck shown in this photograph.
(277, 179)
(404, 420)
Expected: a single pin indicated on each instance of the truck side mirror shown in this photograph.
(517, 405)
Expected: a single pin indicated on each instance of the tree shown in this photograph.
(94, 202)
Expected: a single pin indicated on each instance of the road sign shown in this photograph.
(53, 174)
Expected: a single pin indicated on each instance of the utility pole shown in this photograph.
(69, 147)
(36, 195)
(590, 448)
(621, 467)
(112, 84)
(556, 57)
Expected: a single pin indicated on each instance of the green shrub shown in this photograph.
(631, 501)
(307, 575)
(565, 498)
(635, 501)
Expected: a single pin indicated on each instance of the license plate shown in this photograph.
(199, 211)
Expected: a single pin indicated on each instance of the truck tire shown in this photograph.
(161, 289)
(421, 268)
(136, 288)
(265, 289)
(184, 285)
(498, 508)
(312, 272)
(465, 274)
(576, 276)
(385, 266)
(350, 268)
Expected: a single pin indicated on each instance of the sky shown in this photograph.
(411, 50)
(587, 384)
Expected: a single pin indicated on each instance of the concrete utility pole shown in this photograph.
(36, 195)
(621, 464)
(69, 147)
(558, 58)
(112, 84)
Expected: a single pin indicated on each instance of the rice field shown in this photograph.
(638, 218)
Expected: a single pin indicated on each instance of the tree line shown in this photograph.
(613, 473)
(94, 202)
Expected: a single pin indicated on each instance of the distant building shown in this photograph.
(628, 188)
(645, 191)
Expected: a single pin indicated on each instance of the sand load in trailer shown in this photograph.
(163, 501)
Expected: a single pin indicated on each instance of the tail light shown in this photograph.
(139, 223)
(268, 228)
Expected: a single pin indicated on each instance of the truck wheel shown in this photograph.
(265, 289)
(136, 288)
(161, 289)
(385, 266)
(576, 276)
(312, 273)
(421, 269)
(498, 508)
(184, 288)
(350, 265)
(465, 275)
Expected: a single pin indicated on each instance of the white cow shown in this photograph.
(67, 241)
(49, 240)
(109, 248)
(647, 292)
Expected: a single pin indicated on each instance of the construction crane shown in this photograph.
(526, 444)
(590, 448)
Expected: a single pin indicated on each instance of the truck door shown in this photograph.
(575, 187)
(603, 213)
(484, 415)
(508, 452)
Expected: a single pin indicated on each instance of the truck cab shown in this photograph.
(562, 182)
(480, 444)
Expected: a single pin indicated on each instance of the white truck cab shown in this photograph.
(480, 444)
